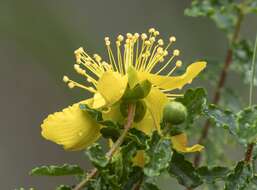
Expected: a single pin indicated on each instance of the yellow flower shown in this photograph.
(137, 57)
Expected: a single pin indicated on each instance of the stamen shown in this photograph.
(175, 53)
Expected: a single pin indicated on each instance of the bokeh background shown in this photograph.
(37, 40)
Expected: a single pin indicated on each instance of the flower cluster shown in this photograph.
(136, 58)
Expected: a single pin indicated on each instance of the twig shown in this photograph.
(249, 153)
(220, 85)
(250, 146)
(116, 145)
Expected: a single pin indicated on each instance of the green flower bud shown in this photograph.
(174, 112)
(139, 112)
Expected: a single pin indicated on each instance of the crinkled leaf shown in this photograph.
(223, 13)
(54, 170)
(247, 124)
(211, 174)
(139, 137)
(184, 171)
(240, 177)
(222, 118)
(97, 155)
(158, 155)
(195, 102)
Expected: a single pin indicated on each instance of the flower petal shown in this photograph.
(112, 86)
(174, 82)
(72, 128)
(179, 143)
(155, 102)
(98, 101)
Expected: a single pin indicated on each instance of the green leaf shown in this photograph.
(222, 118)
(97, 156)
(224, 13)
(112, 131)
(63, 187)
(184, 171)
(139, 137)
(149, 186)
(133, 178)
(195, 102)
(247, 124)
(212, 174)
(158, 155)
(53, 170)
(240, 177)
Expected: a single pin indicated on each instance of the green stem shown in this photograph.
(253, 70)
(114, 148)
(249, 151)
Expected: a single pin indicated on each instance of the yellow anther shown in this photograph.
(172, 39)
(127, 41)
(97, 57)
(120, 38)
(165, 53)
(107, 41)
(178, 63)
(129, 35)
(136, 35)
(160, 50)
(79, 51)
(65, 79)
(176, 52)
(152, 39)
(118, 43)
(143, 36)
(151, 30)
(147, 42)
(76, 67)
(160, 42)
(156, 33)
(71, 85)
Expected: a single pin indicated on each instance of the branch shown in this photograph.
(220, 85)
(116, 145)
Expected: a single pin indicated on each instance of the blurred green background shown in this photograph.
(37, 40)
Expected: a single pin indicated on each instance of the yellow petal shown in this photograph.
(72, 128)
(179, 143)
(139, 159)
(112, 86)
(174, 82)
(98, 101)
(155, 102)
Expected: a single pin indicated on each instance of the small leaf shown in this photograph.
(139, 137)
(247, 124)
(184, 171)
(222, 118)
(53, 170)
(240, 177)
(211, 174)
(195, 102)
(158, 155)
(97, 156)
